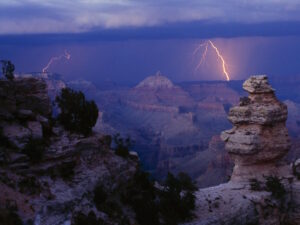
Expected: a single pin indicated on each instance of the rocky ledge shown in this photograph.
(47, 174)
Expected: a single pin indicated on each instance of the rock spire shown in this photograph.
(259, 138)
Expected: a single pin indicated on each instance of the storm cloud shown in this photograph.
(76, 16)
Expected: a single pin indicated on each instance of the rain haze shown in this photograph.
(125, 41)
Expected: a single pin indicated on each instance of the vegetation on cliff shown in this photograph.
(169, 204)
(77, 114)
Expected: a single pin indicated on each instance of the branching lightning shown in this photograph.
(66, 55)
(202, 57)
(206, 45)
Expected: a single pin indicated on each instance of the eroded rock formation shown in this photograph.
(259, 138)
(263, 188)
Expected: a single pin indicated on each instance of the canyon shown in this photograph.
(176, 126)
(254, 163)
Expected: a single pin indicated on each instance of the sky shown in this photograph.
(127, 40)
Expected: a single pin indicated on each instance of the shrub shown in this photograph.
(77, 114)
(35, 149)
(106, 204)
(122, 145)
(255, 185)
(8, 214)
(90, 219)
(112, 209)
(170, 206)
(66, 170)
(140, 195)
(274, 186)
(8, 69)
(8, 217)
(29, 185)
(177, 199)
(106, 140)
(100, 196)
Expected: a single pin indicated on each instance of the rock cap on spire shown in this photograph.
(258, 84)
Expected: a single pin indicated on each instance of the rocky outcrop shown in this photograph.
(25, 109)
(47, 174)
(259, 138)
(22, 97)
(263, 188)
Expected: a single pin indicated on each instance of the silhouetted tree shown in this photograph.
(171, 204)
(8, 69)
(77, 114)
(177, 200)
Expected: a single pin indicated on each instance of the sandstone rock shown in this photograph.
(259, 135)
(258, 84)
(257, 143)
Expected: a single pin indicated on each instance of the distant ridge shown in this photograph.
(157, 81)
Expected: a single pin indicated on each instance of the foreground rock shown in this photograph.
(259, 138)
(263, 189)
(48, 175)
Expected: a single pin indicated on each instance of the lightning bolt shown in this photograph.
(66, 55)
(202, 57)
(214, 47)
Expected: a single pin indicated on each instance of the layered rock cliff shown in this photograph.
(49, 175)
(263, 188)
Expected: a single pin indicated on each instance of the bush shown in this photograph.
(107, 205)
(29, 185)
(274, 186)
(170, 206)
(122, 145)
(177, 199)
(35, 149)
(8, 217)
(140, 195)
(8, 69)
(66, 170)
(106, 140)
(90, 219)
(77, 114)
(255, 185)
(100, 196)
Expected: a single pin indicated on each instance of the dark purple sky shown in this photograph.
(127, 40)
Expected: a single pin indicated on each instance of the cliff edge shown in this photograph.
(51, 176)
